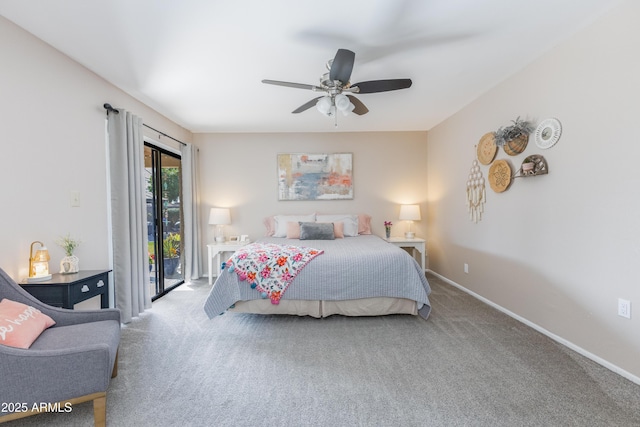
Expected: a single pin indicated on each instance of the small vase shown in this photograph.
(69, 265)
(388, 232)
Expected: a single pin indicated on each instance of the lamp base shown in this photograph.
(410, 235)
(38, 278)
(219, 235)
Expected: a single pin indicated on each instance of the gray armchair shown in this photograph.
(71, 362)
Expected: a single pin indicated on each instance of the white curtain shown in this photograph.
(191, 213)
(128, 214)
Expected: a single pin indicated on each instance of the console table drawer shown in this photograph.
(89, 288)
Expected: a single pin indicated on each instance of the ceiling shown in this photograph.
(200, 62)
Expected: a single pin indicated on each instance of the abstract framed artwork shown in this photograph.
(303, 176)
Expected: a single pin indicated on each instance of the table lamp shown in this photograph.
(219, 217)
(39, 264)
(409, 213)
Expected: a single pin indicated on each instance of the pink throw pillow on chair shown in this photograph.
(21, 324)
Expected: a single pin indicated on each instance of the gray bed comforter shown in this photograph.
(354, 267)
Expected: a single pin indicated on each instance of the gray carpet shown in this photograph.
(468, 365)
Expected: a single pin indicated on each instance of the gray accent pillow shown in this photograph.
(316, 231)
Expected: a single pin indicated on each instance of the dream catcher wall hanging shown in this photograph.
(476, 194)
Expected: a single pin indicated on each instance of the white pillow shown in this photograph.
(280, 222)
(350, 223)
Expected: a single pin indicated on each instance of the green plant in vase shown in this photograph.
(70, 263)
(171, 250)
(514, 138)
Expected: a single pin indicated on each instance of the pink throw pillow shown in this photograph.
(364, 224)
(20, 324)
(293, 230)
(338, 230)
(270, 224)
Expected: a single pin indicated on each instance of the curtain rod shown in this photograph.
(164, 134)
(110, 109)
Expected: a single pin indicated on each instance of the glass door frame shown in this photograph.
(158, 223)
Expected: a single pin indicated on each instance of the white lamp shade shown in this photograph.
(324, 105)
(219, 216)
(342, 102)
(409, 213)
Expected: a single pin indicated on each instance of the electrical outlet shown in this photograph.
(75, 199)
(624, 308)
(466, 268)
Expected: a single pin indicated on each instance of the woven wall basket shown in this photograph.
(487, 148)
(516, 145)
(499, 175)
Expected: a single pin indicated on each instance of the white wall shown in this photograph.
(239, 172)
(52, 140)
(560, 249)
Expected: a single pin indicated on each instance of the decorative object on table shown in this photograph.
(532, 165)
(514, 138)
(219, 217)
(315, 176)
(38, 263)
(387, 228)
(171, 253)
(500, 175)
(476, 194)
(409, 213)
(487, 148)
(70, 263)
(548, 133)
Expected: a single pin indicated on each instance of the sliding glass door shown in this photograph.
(164, 219)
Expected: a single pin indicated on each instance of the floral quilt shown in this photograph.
(269, 267)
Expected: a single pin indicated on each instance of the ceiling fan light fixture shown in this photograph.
(325, 105)
(342, 102)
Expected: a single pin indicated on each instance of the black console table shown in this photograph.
(65, 290)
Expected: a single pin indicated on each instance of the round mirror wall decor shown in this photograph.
(548, 133)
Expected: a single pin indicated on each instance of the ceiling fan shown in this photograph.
(338, 89)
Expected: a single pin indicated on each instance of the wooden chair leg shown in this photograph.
(114, 373)
(100, 411)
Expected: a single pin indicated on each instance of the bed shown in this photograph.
(361, 275)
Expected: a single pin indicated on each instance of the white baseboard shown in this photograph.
(618, 370)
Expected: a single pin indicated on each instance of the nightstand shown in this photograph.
(415, 243)
(66, 290)
(215, 250)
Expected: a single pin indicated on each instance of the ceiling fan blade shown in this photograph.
(360, 107)
(294, 85)
(305, 107)
(342, 65)
(375, 86)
